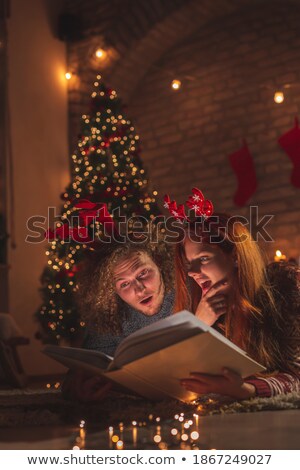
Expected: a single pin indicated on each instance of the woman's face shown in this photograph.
(208, 265)
(138, 283)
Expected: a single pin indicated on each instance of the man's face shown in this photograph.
(139, 283)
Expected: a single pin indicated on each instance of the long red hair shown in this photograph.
(250, 296)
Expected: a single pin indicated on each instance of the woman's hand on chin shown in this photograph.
(212, 305)
(230, 384)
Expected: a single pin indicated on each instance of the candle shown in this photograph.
(134, 433)
(158, 428)
(196, 421)
(110, 435)
(82, 434)
(279, 256)
(181, 420)
(121, 427)
(134, 436)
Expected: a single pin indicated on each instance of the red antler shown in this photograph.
(202, 207)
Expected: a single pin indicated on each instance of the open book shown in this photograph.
(152, 360)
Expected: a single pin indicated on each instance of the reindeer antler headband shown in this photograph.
(196, 201)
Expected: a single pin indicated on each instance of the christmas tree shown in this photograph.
(106, 168)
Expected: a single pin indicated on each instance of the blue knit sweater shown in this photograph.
(133, 320)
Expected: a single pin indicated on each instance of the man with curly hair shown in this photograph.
(123, 287)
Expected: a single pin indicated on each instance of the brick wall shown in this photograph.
(230, 63)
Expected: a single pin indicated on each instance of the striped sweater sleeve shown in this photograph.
(275, 384)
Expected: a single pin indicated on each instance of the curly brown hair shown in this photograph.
(98, 303)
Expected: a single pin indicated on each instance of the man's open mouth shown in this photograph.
(146, 301)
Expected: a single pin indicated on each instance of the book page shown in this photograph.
(161, 334)
(202, 353)
(149, 344)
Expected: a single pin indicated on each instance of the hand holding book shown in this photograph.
(229, 383)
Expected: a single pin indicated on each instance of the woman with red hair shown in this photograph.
(221, 277)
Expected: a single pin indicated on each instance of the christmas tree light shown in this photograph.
(107, 168)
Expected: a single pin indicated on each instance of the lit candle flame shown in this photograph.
(279, 256)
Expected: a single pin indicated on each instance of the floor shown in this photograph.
(261, 430)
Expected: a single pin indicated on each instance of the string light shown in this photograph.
(194, 435)
(100, 53)
(120, 445)
(176, 84)
(278, 97)
(68, 75)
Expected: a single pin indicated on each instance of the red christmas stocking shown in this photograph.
(290, 142)
(242, 164)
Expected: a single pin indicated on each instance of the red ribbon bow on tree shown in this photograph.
(90, 212)
(95, 212)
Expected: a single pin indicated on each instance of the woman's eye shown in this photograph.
(204, 259)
